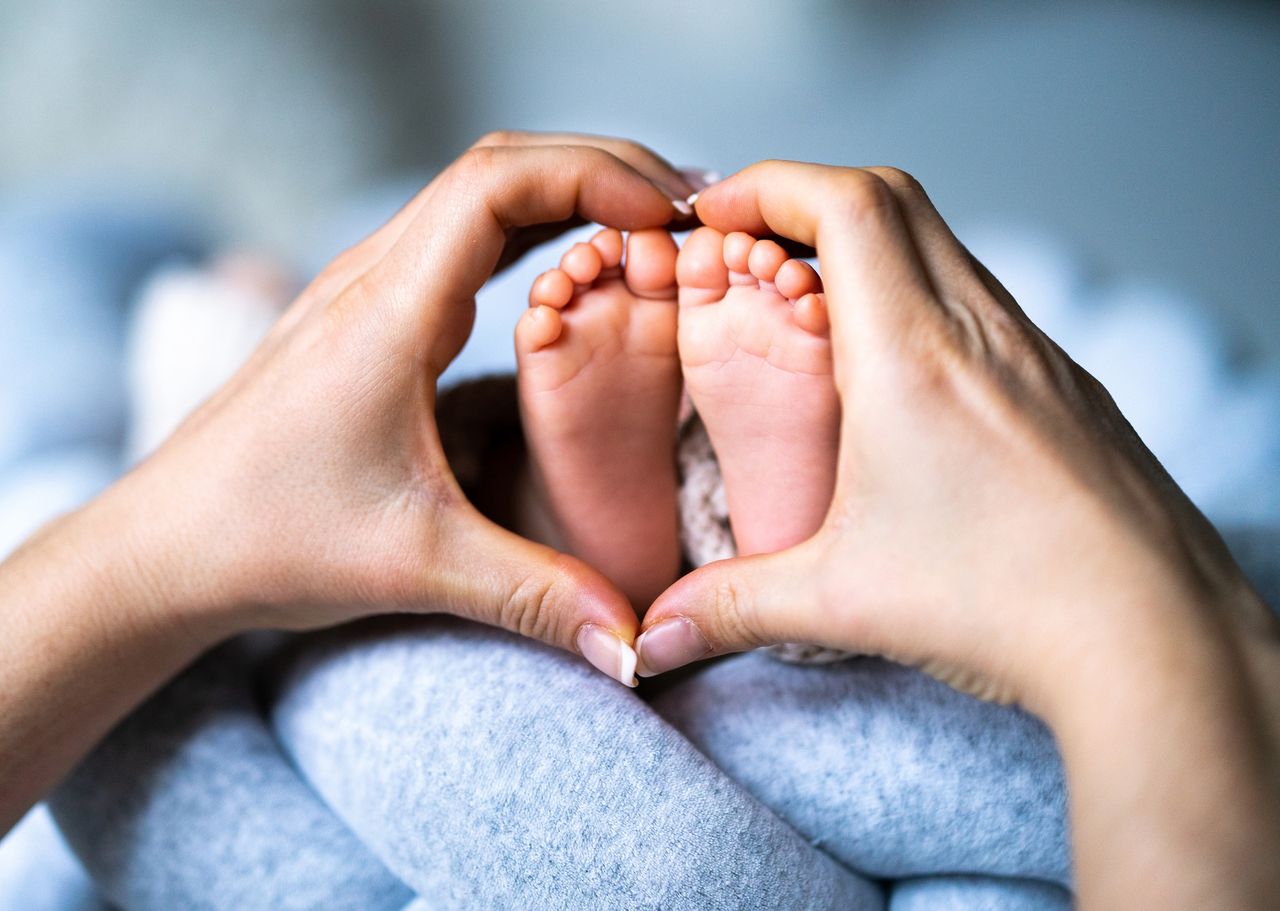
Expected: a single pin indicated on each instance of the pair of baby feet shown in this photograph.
(609, 341)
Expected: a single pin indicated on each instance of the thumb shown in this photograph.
(735, 605)
(496, 577)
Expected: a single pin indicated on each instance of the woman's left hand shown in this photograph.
(314, 486)
(313, 489)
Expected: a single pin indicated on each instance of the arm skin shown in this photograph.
(312, 488)
(997, 523)
(85, 634)
(1172, 754)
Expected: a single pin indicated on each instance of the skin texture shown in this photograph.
(312, 488)
(600, 382)
(599, 388)
(994, 519)
(757, 363)
(998, 523)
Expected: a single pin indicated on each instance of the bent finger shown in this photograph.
(672, 180)
(872, 270)
(362, 256)
(495, 577)
(454, 242)
(732, 606)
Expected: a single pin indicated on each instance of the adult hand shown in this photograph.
(312, 488)
(998, 523)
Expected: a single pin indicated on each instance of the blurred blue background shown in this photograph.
(1114, 163)
(1144, 135)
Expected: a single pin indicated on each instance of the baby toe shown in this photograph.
(553, 288)
(582, 263)
(608, 244)
(795, 278)
(764, 260)
(651, 263)
(811, 313)
(737, 252)
(700, 270)
(537, 327)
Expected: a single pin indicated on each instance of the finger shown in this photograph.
(360, 257)
(675, 182)
(450, 249)
(700, 178)
(493, 576)
(871, 268)
(733, 606)
(955, 275)
(680, 184)
(525, 239)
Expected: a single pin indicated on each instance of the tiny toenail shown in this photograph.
(682, 206)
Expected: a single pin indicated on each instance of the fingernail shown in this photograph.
(700, 179)
(669, 645)
(682, 206)
(692, 199)
(608, 654)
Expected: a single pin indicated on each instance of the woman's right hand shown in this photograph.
(998, 523)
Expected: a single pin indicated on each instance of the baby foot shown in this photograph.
(756, 356)
(599, 387)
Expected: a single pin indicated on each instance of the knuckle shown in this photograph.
(593, 153)
(865, 196)
(768, 168)
(629, 146)
(530, 609)
(899, 179)
(360, 293)
(475, 161)
(928, 360)
(497, 138)
(735, 613)
(1008, 333)
(1091, 386)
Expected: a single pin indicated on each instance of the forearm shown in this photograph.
(87, 631)
(1170, 746)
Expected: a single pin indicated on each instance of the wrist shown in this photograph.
(1169, 738)
(88, 627)
(1150, 635)
(145, 565)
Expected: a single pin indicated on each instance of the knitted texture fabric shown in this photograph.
(705, 531)
(480, 424)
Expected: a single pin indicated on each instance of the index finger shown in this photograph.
(452, 245)
(870, 265)
(643, 159)
(650, 164)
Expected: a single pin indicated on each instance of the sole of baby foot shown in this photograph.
(599, 382)
(756, 358)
